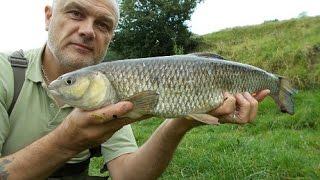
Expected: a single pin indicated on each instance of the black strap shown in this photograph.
(19, 65)
(77, 168)
(71, 169)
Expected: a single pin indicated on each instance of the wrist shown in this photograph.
(61, 143)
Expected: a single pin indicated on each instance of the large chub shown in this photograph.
(284, 97)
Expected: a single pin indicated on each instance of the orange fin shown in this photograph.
(205, 118)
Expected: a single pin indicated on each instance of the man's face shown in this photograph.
(80, 30)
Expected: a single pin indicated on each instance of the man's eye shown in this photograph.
(75, 14)
(103, 26)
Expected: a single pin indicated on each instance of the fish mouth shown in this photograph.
(54, 92)
(52, 88)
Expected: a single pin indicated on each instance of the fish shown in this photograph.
(187, 86)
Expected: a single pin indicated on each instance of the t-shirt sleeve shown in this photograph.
(122, 142)
(6, 95)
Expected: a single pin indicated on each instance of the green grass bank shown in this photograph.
(289, 48)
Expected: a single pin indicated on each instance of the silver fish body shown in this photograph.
(186, 84)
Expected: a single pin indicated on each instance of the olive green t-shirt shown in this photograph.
(35, 114)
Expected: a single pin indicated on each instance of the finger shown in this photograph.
(110, 112)
(227, 107)
(244, 108)
(259, 96)
(253, 104)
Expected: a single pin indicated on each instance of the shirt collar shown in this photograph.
(34, 57)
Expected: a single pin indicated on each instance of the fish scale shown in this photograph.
(184, 85)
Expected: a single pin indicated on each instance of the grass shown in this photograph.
(275, 146)
(290, 48)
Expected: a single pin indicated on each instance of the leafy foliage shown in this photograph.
(154, 28)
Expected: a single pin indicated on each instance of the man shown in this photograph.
(79, 32)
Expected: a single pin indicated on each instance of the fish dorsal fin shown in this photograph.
(209, 55)
(144, 101)
(205, 118)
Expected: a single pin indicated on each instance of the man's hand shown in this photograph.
(83, 129)
(239, 109)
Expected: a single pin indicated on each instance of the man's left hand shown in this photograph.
(239, 109)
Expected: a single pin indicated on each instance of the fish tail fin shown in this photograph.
(284, 97)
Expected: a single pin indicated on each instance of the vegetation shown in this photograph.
(153, 28)
(276, 145)
(289, 48)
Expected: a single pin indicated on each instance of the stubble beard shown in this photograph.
(67, 60)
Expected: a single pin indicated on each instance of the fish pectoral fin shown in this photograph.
(205, 118)
(144, 102)
(209, 55)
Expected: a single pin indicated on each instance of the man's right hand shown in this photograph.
(83, 129)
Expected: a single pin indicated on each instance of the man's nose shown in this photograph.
(86, 29)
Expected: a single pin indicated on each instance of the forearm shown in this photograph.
(36, 161)
(151, 159)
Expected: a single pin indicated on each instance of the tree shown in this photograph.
(303, 14)
(153, 27)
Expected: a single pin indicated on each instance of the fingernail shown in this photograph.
(127, 105)
(246, 94)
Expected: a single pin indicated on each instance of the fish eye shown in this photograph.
(69, 81)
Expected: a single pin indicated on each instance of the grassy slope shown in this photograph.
(290, 48)
(276, 145)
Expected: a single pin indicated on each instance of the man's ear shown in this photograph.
(48, 15)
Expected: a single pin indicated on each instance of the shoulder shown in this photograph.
(4, 59)
(33, 54)
(6, 81)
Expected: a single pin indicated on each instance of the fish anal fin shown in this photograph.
(143, 102)
(133, 115)
(205, 118)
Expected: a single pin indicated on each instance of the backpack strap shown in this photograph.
(19, 65)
